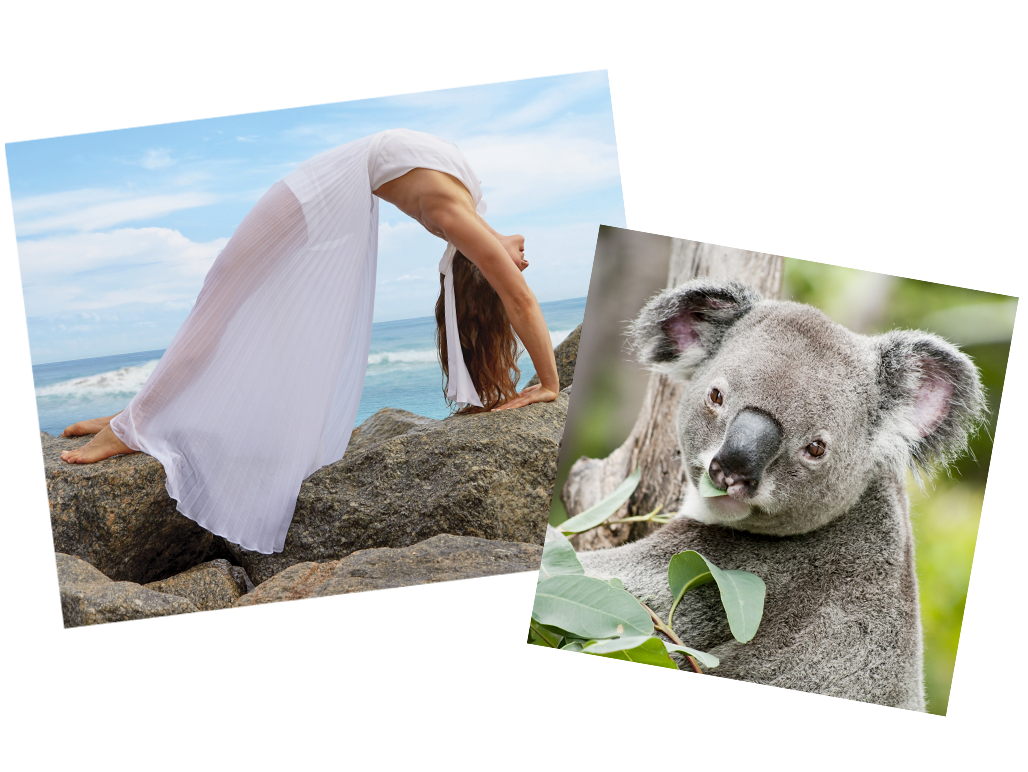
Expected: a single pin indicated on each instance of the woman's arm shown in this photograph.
(445, 207)
(464, 229)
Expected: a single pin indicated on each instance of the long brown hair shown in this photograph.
(487, 340)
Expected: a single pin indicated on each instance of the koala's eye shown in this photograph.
(816, 448)
(715, 397)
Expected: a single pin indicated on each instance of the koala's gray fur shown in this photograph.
(829, 534)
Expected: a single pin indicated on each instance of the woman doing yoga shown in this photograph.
(261, 384)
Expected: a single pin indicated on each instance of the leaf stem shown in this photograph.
(537, 632)
(689, 586)
(659, 624)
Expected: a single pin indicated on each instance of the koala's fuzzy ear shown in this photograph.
(931, 399)
(682, 326)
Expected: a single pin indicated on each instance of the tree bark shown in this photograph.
(653, 443)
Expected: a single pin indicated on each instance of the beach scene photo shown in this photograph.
(117, 232)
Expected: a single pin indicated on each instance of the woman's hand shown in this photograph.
(529, 396)
(515, 246)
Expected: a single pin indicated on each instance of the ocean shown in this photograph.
(403, 372)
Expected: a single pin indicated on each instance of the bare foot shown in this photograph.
(92, 426)
(104, 445)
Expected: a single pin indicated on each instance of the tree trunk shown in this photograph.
(653, 443)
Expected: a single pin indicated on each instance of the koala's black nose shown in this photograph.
(750, 444)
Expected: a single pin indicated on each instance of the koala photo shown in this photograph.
(814, 436)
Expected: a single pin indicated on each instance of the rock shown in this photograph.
(566, 355)
(488, 475)
(404, 478)
(117, 515)
(440, 559)
(90, 598)
(208, 586)
(387, 423)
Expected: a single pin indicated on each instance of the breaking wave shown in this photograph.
(558, 335)
(126, 380)
(416, 356)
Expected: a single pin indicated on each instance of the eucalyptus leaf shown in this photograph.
(541, 635)
(587, 607)
(645, 651)
(742, 593)
(615, 582)
(559, 559)
(707, 660)
(596, 514)
(685, 571)
(575, 646)
(707, 488)
(571, 639)
(615, 644)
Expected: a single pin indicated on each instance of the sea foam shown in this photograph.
(415, 356)
(126, 380)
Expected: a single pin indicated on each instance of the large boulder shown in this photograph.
(405, 478)
(117, 515)
(440, 559)
(90, 598)
(208, 586)
(566, 354)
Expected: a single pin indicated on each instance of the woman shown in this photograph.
(261, 384)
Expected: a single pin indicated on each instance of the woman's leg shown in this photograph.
(104, 445)
(92, 426)
(275, 222)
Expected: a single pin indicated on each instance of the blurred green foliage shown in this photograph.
(967, 568)
(966, 526)
(596, 437)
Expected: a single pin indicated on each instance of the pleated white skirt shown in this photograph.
(260, 386)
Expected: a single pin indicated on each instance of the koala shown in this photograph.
(809, 427)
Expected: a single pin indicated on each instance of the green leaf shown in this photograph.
(707, 660)
(575, 646)
(615, 644)
(633, 641)
(707, 488)
(616, 583)
(541, 635)
(742, 593)
(559, 559)
(595, 515)
(589, 608)
(646, 650)
(685, 571)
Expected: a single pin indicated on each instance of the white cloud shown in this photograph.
(551, 103)
(94, 271)
(526, 172)
(157, 159)
(87, 210)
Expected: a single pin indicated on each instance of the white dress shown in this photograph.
(260, 386)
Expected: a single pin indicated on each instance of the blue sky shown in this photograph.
(117, 229)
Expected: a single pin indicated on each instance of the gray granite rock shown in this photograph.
(117, 515)
(488, 475)
(566, 355)
(90, 598)
(208, 586)
(442, 558)
(387, 423)
(404, 478)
